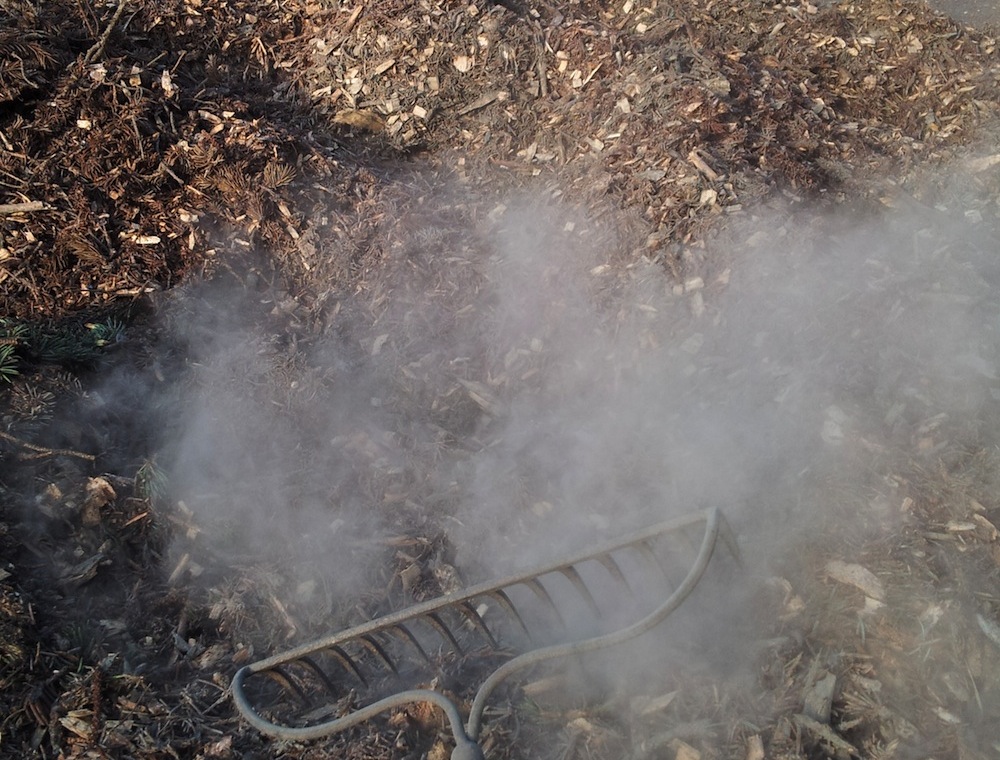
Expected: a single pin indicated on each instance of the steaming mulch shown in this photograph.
(331, 167)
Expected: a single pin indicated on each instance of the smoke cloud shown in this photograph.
(510, 384)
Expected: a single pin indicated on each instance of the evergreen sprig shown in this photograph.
(11, 334)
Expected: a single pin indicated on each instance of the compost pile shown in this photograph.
(338, 176)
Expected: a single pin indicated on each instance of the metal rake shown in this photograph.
(522, 620)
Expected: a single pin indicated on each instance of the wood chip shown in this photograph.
(439, 751)
(541, 686)
(646, 706)
(991, 529)
(99, 494)
(699, 163)
(684, 751)
(410, 576)
(79, 722)
(179, 569)
(482, 101)
(989, 628)
(363, 119)
(825, 735)
(463, 63)
(818, 700)
(483, 397)
(981, 164)
(857, 576)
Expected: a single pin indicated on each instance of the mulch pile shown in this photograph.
(149, 144)
(323, 160)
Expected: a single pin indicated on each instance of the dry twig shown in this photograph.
(21, 208)
(41, 451)
(98, 47)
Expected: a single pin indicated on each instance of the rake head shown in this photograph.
(572, 606)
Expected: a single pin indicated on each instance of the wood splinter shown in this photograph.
(21, 208)
(41, 451)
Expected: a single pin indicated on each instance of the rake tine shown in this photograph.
(279, 676)
(691, 544)
(536, 585)
(504, 601)
(347, 663)
(649, 556)
(667, 560)
(368, 642)
(319, 673)
(609, 564)
(405, 633)
(438, 625)
(729, 539)
(476, 619)
(574, 577)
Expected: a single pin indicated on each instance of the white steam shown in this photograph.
(514, 386)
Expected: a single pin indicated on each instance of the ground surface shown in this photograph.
(980, 12)
(309, 309)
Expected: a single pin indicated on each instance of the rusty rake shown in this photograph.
(519, 621)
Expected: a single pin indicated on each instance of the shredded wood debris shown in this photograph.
(343, 163)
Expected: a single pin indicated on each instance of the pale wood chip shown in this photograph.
(755, 748)
(363, 119)
(857, 576)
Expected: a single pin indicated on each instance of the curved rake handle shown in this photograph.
(462, 741)
(466, 746)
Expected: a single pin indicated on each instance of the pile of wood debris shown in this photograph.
(339, 166)
(141, 144)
